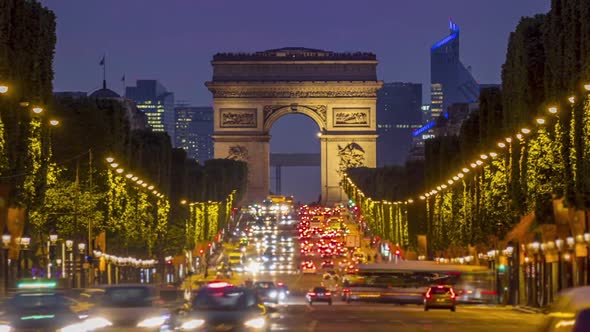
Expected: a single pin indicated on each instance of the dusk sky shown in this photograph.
(174, 40)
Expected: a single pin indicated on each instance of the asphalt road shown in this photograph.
(356, 317)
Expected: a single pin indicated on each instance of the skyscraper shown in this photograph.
(156, 103)
(451, 82)
(194, 128)
(398, 115)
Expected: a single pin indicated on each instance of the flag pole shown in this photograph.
(104, 71)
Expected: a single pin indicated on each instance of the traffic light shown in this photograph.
(501, 267)
(169, 262)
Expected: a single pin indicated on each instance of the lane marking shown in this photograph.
(311, 327)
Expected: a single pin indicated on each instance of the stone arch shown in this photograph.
(272, 113)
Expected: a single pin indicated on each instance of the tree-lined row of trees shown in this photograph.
(547, 65)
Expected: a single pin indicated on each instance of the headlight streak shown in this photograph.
(256, 323)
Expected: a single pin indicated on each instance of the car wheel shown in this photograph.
(453, 309)
(425, 308)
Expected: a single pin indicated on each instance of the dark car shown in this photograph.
(267, 291)
(440, 296)
(224, 307)
(39, 310)
(130, 306)
(319, 294)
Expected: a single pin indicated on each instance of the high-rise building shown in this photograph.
(156, 103)
(399, 113)
(194, 128)
(451, 82)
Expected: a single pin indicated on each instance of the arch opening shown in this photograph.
(295, 156)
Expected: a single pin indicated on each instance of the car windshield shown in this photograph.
(320, 290)
(122, 297)
(265, 285)
(38, 300)
(228, 298)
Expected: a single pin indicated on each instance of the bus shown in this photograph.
(405, 282)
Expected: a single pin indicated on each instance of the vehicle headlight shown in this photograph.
(272, 294)
(95, 323)
(192, 324)
(5, 328)
(153, 321)
(256, 323)
(72, 328)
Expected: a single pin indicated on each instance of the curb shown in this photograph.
(527, 310)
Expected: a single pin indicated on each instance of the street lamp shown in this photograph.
(6, 238)
(54, 122)
(71, 266)
(51, 252)
(82, 252)
(559, 245)
(37, 110)
(24, 243)
(3, 89)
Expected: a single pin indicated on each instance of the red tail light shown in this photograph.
(311, 294)
(328, 294)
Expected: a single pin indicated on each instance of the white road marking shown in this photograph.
(312, 325)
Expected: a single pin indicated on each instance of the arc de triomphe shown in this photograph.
(337, 90)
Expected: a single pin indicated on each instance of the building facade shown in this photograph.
(194, 131)
(451, 82)
(398, 115)
(152, 98)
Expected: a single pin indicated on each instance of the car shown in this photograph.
(224, 307)
(127, 306)
(319, 294)
(308, 267)
(570, 312)
(440, 296)
(327, 264)
(267, 291)
(42, 308)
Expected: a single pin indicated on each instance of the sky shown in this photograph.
(174, 41)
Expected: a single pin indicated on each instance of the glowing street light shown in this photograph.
(183, 202)
(479, 162)
(422, 197)
(114, 165)
(493, 154)
(110, 159)
(541, 121)
(450, 182)
(120, 170)
(444, 186)
(54, 122)
(319, 135)
(473, 165)
(484, 156)
(134, 179)
(129, 175)
(460, 175)
(525, 130)
(455, 178)
(552, 110)
(438, 188)
(150, 187)
(37, 110)
(465, 170)
(3, 89)
(587, 87)
(139, 182)
(509, 139)
(519, 136)
(572, 99)
(501, 144)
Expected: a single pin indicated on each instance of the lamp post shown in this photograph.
(71, 266)
(559, 245)
(24, 243)
(82, 252)
(51, 253)
(6, 238)
(509, 251)
(571, 246)
(537, 286)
